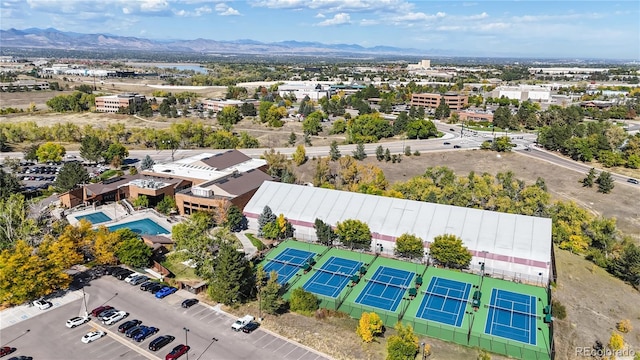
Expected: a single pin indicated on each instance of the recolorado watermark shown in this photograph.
(591, 352)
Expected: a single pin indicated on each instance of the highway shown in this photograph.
(453, 135)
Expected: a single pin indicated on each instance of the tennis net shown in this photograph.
(445, 296)
(333, 272)
(386, 284)
(286, 263)
(511, 310)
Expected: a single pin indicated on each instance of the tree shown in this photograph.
(403, 345)
(229, 282)
(270, 299)
(303, 302)
(193, 236)
(588, 181)
(115, 150)
(9, 184)
(324, 233)
(235, 220)
(369, 326)
(229, 116)
(248, 109)
(292, 139)
(354, 233)
(50, 152)
(134, 252)
(379, 153)
(407, 151)
(339, 127)
(105, 245)
(312, 124)
(502, 144)
(605, 182)
(147, 163)
(442, 111)
(502, 117)
(142, 201)
(408, 245)
(92, 148)
(421, 129)
(334, 152)
(627, 265)
(30, 153)
(387, 155)
(359, 153)
(400, 123)
(167, 205)
(447, 250)
(266, 217)
(70, 176)
(300, 156)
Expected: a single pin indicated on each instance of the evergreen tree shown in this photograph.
(91, 148)
(324, 233)
(407, 151)
(292, 139)
(359, 153)
(307, 140)
(270, 299)
(334, 152)
(387, 155)
(400, 123)
(71, 175)
(591, 176)
(442, 111)
(605, 182)
(235, 220)
(147, 163)
(379, 153)
(9, 184)
(267, 216)
(230, 281)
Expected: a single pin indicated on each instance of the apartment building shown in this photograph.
(454, 100)
(112, 103)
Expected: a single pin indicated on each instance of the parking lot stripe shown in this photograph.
(135, 348)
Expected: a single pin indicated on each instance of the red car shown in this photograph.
(177, 352)
(6, 350)
(100, 309)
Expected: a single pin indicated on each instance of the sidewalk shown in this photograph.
(16, 314)
(249, 249)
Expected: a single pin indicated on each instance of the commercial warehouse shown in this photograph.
(513, 247)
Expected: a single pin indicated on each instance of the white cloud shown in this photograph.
(338, 5)
(337, 19)
(418, 16)
(153, 5)
(126, 10)
(225, 10)
(484, 15)
(369, 22)
(203, 10)
(320, 16)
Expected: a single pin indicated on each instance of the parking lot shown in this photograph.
(44, 336)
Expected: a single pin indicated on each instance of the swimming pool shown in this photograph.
(142, 226)
(94, 218)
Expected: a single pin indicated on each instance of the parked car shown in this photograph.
(139, 280)
(134, 331)
(131, 276)
(250, 327)
(457, 146)
(155, 288)
(633, 181)
(446, 143)
(189, 303)
(117, 270)
(128, 325)
(165, 291)
(115, 317)
(124, 274)
(145, 285)
(177, 352)
(100, 309)
(145, 333)
(107, 313)
(159, 342)
(6, 350)
(42, 304)
(93, 336)
(21, 357)
(77, 321)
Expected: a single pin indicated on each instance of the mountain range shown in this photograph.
(55, 39)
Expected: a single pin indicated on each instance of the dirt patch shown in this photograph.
(563, 184)
(595, 302)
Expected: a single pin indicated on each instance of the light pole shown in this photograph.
(545, 342)
(186, 339)
(171, 147)
(84, 298)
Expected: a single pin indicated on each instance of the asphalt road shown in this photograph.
(45, 336)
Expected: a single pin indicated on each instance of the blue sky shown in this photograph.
(566, 29)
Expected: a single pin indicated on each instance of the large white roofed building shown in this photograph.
(514, 247)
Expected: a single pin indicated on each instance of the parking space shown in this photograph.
(209, 335)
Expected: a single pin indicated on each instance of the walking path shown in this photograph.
(249, 248)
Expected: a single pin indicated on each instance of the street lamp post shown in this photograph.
(545, 341)
(186, 339)
(84, 298)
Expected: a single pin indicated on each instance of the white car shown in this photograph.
(131, 277)
(115, 318)
(42, 304)
(76, 321)
(93, 336)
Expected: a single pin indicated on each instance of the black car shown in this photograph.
(189, 303)
(446, 143)
(155, 288)
(145, 285)
(117, 271)
(457, 146)
(128, 325)
(134, 331)
(250, 327)
(159, 342)
(124, 274)
(21, 358)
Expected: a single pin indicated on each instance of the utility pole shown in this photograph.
(186, 339)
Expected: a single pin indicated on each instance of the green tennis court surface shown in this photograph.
(445, 301)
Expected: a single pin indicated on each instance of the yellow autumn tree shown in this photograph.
(369, 326)
(300, 156)
(616, 342)
(624, 326)
(62, 252)
(105, 246)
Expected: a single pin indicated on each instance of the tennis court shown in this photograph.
(288, 263)
(444, 301)
(512, 316)
(332, 277)
(385, 288)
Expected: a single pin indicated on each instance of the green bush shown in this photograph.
(256, 242)
(558, 310)
(303, 302)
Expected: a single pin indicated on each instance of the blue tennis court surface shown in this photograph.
(512, 316)
(385, 288)
(332, 277)
(444, 301)
(288, 263)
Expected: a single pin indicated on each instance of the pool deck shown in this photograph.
(119, 215)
